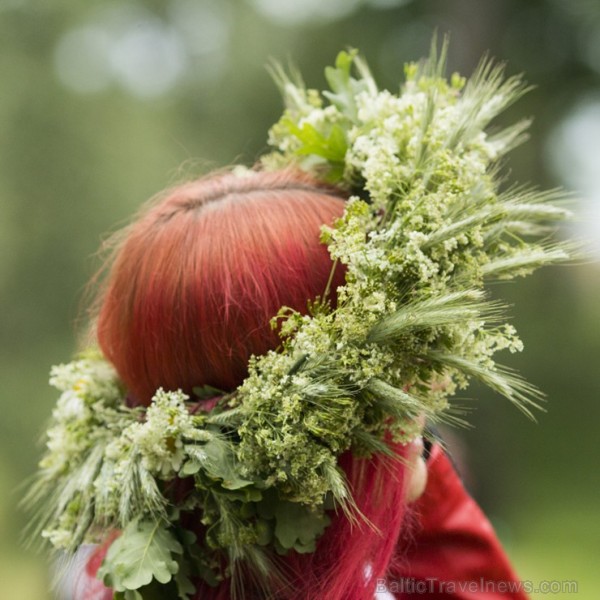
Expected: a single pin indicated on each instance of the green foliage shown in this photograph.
(142, 553)
(296, 526)
(218, 460)
(344, 87)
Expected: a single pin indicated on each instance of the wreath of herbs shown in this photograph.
(425, 227)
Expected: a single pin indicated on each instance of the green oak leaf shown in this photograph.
(141, 554)
(296, 526)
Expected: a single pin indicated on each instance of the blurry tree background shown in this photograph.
(104, 103)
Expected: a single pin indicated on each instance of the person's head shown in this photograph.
(201, 272)
(189, 297)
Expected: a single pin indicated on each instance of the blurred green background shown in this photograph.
(102, 104)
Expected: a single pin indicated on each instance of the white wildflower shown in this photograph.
(89, 379)
(159, 439)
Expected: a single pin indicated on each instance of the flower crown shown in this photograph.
(425, 227)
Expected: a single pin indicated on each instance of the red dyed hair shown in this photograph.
(188, 300)
(200, 274)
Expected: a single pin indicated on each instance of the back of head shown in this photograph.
(189, 297)
(199, 275)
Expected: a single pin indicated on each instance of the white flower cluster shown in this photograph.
(159, 439)
(89, 387)
(90, 378)
(105, 453)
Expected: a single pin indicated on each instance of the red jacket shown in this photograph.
(453, 551)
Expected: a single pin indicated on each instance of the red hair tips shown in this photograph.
(200, 274)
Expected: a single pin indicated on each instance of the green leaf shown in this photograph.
(296, 526)
(344, 87)
(330, 145)
(141, 554)
(340, 82)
